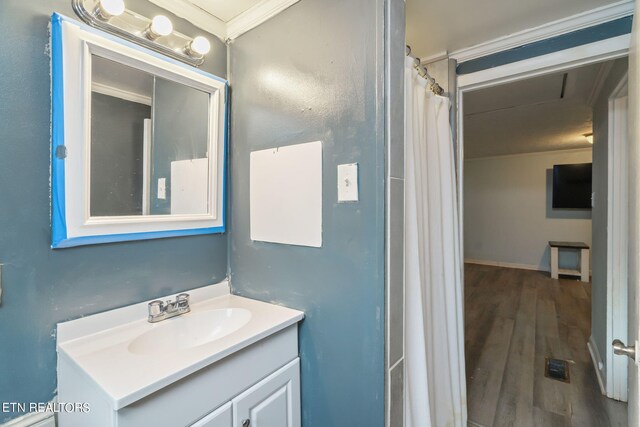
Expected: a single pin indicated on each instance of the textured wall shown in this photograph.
(43, 286)
(507, 209)
(600, 216)
(315, 72)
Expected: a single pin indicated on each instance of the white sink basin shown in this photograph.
(189, 330)
(128, 358)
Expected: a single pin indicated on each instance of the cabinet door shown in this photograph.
(221, 417)
(273, 402)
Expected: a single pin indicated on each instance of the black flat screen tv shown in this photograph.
(572, 186)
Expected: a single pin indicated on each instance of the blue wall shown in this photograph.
(43, 286)
(315, 72)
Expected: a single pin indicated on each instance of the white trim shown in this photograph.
(255, 16)
(35, 419)
(532, 153)
(518, 266)
(582, 20)
(120, 93)
(232, 29)
(617, 239)
(147, 143)
(603, 50)
(597, 361)
(603, 72)
(434, 58)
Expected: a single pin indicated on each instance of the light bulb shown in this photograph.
(199, 46)
(161, 26)
(107, 9)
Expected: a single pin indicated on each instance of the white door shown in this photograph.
(273, 402)
(634, 220)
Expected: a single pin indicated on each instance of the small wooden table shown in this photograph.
(582, 272)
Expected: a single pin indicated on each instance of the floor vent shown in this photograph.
(557, 369)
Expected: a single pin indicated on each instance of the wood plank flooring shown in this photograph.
(514, 319)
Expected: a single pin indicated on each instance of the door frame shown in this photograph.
(608, 49)
(617, 239)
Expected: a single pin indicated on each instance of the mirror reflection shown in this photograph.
(149, 139)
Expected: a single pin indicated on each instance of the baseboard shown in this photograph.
(597, 361)
(506, 264)
(36, 419)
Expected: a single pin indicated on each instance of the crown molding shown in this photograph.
(120, 93)
(255, 16)
(580, 21)
(434, 58)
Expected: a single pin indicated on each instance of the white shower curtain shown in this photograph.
(434, 340)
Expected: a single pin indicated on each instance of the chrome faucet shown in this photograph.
(159, 310)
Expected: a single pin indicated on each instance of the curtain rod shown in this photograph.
(422, 71)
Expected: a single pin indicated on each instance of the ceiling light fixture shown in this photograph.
(107, 9)
(589, 137)
(156, 34)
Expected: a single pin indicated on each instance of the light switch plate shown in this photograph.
(348, 182)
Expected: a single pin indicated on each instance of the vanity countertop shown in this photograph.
(101, 345)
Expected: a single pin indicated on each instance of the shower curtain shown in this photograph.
(434, 329)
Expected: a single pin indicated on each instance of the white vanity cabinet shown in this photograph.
(273, 402)
(248, 378)
(221, 417)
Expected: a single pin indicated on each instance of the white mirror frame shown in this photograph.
(72, 44)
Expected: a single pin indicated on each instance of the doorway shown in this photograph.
(517, 317)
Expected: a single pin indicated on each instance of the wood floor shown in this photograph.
(513, 320)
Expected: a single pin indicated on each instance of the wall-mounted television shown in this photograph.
(572, 186)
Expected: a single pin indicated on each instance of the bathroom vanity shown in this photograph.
(230, 361)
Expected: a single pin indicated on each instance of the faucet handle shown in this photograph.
(182, 300)
(156, 307)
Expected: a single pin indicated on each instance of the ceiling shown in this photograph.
(226, 19)
(435, 26)
(532, 115)
(225, 10)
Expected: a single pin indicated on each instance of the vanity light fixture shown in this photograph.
(198, 47)
(107, 9)
(156, 34)
(160, 26)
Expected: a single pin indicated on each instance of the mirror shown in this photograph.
(138, 145)
(149, 139)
